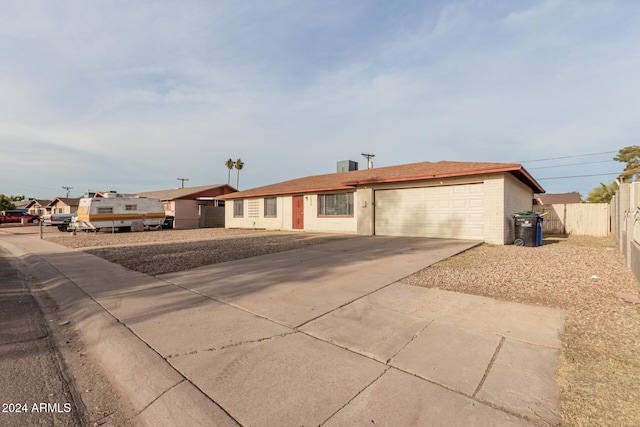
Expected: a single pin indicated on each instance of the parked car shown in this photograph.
(16, 216)
(61, 221)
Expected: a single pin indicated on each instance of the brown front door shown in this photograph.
(298, 212)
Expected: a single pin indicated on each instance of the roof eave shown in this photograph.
(239, 195)
(515, 169)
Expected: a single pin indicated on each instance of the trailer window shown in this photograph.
(105, 210)
(130, 207)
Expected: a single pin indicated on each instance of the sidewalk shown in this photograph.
(317, 336)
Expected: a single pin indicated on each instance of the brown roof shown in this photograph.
(180, 193)
(400, 173)
(40, 202)
(560, 198)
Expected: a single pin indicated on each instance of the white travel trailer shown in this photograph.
(116, 212)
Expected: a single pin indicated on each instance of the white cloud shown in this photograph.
(175, 88)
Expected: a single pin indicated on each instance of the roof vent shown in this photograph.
(347, 166)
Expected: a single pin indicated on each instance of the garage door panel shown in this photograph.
(475, 204)
(461, 204)
(447, 212)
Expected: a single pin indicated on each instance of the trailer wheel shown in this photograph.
(62, 227)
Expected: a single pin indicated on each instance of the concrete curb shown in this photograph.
(158, 393)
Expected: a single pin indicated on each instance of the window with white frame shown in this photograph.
(270, 207)
(335, 204)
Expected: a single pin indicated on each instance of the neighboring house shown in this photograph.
(22, 204)
(38, 207)
(186, 204)
(557, 199)
(63, 205)
(460, 200)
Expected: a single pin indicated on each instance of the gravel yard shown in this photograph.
(167, 251)
(599, 373)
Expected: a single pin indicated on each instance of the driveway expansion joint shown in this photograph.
(415, 336)
(488, 370)
(355, 396)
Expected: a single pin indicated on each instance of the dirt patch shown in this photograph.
(599, 374)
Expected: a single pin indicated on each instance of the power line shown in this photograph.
(567, 157)
(579, 176)
(27, 185)
(572, 164)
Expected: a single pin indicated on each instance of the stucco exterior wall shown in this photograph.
(330, 224)
(254, 216)
(517, 198)
(494, 188)
(364, 210)
(63, 208)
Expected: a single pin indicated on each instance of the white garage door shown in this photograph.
(454, 211)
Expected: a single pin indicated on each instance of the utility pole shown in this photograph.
(369, 157)
(183, 180)
(67, 188)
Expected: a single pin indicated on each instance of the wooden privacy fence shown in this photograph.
(579, 219)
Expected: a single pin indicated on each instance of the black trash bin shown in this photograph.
(528, 229)
(168, 222)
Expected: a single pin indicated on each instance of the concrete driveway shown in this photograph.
(318, 336)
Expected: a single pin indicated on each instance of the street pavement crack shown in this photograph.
(235, 344)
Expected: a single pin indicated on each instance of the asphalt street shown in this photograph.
(33, 388)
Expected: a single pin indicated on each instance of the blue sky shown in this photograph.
(129, 96)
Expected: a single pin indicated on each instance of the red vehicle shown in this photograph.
(16, 216)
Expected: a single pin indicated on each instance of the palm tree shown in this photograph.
(239, 164)
(603, 194)
(229, 164)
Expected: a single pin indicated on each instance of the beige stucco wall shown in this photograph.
(254, 216)
(518, 198)
(504, 195)
(63, 208)
(364, 211)
(493, 209)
